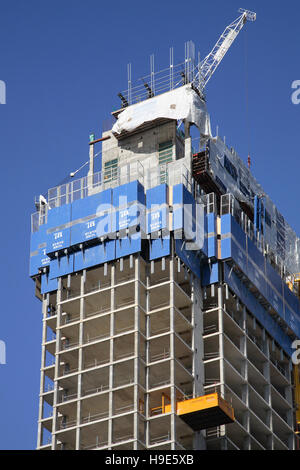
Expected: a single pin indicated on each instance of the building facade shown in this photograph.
(169, 296)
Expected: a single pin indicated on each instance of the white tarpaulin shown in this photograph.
(181, 103)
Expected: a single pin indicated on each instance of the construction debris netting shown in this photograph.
(181, 103)
(234, 177)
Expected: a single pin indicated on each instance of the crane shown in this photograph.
(208, 66)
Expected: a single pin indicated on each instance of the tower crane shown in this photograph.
(209, 64)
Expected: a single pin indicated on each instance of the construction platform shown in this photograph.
(204, 412)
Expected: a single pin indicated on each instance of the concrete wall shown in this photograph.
(142, 146)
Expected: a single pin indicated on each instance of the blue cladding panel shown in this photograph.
(189, 216)
(129, 199)
(130, 192)
(97, 210)
(235, 242)
(159, 248)
(47, 284)
(205, 234)
(256, 256)
(239, 256)
(129, 245)
(189, 258)
(292, 320)
(290, 299)
(226, 224)
(181, 195)
(225, 248)
(184, 209)
(211, 247)
(59, 231)
(157, 208)
(211, 223)
(210, 274)
(211, 233)
(230, 226)
(157, 196)
(261, 274)
(131, 216)
(95, 255)
(237, 232)
(92, 205)
(273, 277)
(61, 266)
(38, 256)
(276, 301)
(257, 277)
(158, 219)
(257, 310)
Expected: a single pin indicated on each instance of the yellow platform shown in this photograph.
(204, 412)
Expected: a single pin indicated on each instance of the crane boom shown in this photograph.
(207, 67)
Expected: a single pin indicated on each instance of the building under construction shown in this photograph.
(168, 283)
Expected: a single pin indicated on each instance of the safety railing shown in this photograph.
(94, 339)
(97, 445)
(160, 356)
(160, 439)
(99, 389)
(67, 397)
(95, 417)
(127, 437)
(176, 172)
(102, 310)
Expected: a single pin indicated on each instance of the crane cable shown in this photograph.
(71, 175)
(247, 95)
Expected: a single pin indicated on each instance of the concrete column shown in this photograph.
(198, 348)
(57, 361)
(172, 354)
(246, 420)
(197, 340)
(245, 394)
(221, 339)
(291, 442)
(43, 363)
(270, 442)
(111, 377)
(269, 418)
(148, 334)
(224, 444)
(80, 362)
(136, 350)
(247, 443)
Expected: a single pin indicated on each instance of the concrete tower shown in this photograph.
(168, 296)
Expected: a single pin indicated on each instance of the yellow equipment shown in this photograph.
(203, 412)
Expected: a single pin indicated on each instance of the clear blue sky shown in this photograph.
(64, 63)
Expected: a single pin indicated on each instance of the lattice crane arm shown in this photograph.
(208, 66)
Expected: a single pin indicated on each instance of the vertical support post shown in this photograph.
(111, 367)
(171, 68)
(57, 364)
(42, 380)
(172, 352)
(129, 83)
(80, 362)
(198, 351)
(187, 146)
(221, 339)
(90, 176)
(136, 349)
(152, 76)
(148, 334)
(221, 348)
